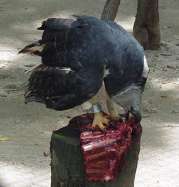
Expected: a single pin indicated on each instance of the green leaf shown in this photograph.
(4, 138)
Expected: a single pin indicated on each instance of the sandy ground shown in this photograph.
(24, 159)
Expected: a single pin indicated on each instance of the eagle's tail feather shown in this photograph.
(35, 48)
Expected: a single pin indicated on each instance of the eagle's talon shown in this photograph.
(100, 121)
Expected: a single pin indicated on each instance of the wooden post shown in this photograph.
(67, 163)
(146, 27)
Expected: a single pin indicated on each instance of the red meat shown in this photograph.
(104, 152)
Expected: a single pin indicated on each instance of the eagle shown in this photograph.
(78, 56)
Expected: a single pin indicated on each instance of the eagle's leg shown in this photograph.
(114, 113)
(100, 119)
(98, 106)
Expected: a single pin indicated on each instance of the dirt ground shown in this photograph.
(26, 129)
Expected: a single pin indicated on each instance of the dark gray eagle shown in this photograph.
(77, 56)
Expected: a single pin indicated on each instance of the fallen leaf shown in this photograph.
(46, 154)
(174, 111)
(165, 54)
(171, 67)
(163, 96)
(3, 138)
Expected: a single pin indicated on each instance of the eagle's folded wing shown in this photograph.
(62, 88)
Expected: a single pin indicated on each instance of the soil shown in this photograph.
(25, 130)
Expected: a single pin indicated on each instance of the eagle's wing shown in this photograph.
(62, 88)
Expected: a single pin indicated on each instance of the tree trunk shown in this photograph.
(110, 10)
(146, 27)
(67, 168)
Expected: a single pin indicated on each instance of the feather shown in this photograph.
(35, 48)
(61, 88)
(58, 24)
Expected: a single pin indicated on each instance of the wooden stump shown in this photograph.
(67, 163)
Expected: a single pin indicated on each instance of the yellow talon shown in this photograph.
(100, 120)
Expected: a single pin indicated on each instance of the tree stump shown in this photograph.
(67, 168)
(110, 10)
(146, 27)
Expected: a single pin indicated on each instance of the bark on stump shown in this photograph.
(110, 10)
(67, 163)
(146, 27)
